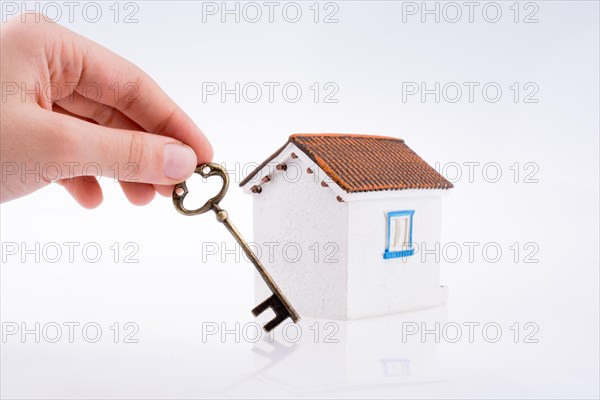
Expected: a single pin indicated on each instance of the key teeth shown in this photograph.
(278, 308)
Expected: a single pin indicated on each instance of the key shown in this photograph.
(277, 301)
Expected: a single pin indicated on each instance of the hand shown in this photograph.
(72, 108)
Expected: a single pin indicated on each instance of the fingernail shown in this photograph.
(179, 161)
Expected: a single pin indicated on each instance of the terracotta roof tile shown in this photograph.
(364, 163)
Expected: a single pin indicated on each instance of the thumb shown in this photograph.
(126, 155)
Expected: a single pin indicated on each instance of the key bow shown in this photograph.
(206, 171)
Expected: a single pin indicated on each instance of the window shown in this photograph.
(399, 233)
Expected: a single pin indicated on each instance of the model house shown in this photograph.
(343, 223)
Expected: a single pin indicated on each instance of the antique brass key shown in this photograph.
(277, 302)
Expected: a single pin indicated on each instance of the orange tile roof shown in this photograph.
(365, 163)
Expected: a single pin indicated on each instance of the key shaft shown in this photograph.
(223, 217)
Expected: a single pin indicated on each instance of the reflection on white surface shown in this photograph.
(341, 355)
(316, 358)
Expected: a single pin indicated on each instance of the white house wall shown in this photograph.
(303, 214)
(379, 286)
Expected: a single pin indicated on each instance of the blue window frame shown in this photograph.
(399, 234)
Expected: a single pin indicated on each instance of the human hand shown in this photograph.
(71, 108)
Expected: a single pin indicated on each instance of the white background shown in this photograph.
(173, 296)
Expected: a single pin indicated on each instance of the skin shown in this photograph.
(62, 119)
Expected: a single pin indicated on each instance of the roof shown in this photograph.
(365, 163)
